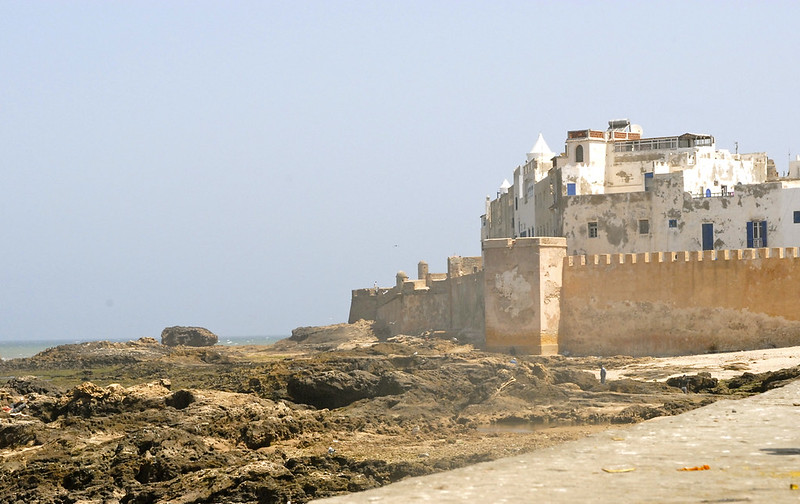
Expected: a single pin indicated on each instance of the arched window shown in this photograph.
(579, 154)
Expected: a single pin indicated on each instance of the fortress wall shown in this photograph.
(460, 266)
(438, 302)
(415, 311)
(680, 303)
(466, 307)
(363, 305)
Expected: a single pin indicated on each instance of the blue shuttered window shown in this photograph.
(756, 234)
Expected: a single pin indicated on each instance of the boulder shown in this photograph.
(695, 383)
(188, 336)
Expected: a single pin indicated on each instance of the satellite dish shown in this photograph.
(635, 128)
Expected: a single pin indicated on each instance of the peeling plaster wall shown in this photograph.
(588, 178)
(713, 169)
(522, 292)
(788, 232)
(618, 215)
(672, 304)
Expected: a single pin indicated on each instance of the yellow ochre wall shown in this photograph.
(680, 303)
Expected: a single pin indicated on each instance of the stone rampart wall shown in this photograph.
(680, 303)
(452, 304)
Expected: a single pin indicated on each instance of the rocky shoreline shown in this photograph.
(325, 412)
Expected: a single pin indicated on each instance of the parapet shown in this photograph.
(682, 257)
(458, 266)
(539, 241)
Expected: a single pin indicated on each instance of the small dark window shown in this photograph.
(648, 181)
(592, 230)
(570, 189)
(579, 154)
(797, 216)
(673, 223)
(644, 226)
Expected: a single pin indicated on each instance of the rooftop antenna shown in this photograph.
(737, 147)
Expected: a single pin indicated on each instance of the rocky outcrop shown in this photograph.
(248, 424)
(334, 388)
(188, 336)
(331, 337)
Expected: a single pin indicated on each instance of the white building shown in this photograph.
(614, 191)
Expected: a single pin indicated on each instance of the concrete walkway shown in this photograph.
(751, 447)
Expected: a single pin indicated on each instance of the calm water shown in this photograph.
(15, 349)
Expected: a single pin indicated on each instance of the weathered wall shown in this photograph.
(416, 310)
(680, 303)
(451, 302)
(466, 308)
(617, 217)
(363, 305)
(522, 284)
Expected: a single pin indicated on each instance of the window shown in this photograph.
(797, 216)
(644, 226)
(648, 181)
(570, 189)
(579, 154)
(708, 236)
(756, 234)
(593, 230)
(673, 223)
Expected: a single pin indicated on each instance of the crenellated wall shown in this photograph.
(449, 302)
(680, 303)
(526, 295)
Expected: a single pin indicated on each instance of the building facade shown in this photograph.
(615, 191)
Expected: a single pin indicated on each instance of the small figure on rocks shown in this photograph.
(602, 374)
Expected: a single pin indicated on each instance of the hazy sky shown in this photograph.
(243, 165)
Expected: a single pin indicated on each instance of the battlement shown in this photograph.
(451, 301)
(682, 257)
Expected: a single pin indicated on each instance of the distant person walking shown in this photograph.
(602, 374)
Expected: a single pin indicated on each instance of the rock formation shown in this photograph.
(188, 336)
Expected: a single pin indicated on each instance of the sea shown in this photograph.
(17, 349)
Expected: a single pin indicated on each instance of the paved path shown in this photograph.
(751, 446)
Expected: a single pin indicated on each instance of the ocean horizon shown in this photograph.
(21, 349)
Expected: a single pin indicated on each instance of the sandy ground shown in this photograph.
(720, 365)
